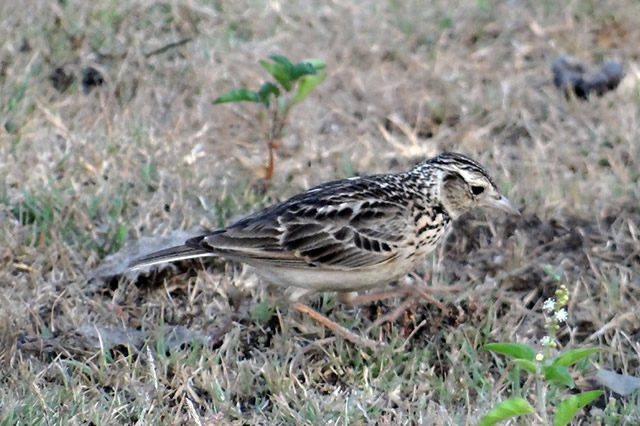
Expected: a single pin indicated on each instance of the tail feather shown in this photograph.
(169, 255)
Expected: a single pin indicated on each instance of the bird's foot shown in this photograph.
(337, 328)
(424, 280)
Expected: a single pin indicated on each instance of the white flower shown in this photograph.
(547, 341)
(549, 305)
(562, 315)
(539, 356)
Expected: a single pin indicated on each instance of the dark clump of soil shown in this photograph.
(61, 79)
(572, 76)
(520, 251)
(91, 78)
(257, 336)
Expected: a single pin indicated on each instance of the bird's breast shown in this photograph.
(430, 224)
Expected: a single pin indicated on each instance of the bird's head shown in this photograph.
(465, 184)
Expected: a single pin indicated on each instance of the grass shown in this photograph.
(86, 175)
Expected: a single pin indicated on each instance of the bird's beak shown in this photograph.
(503, 204)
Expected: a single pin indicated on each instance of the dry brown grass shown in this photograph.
(147, 153)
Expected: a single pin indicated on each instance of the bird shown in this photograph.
(350, 235)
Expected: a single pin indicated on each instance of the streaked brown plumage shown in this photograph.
(352, 234)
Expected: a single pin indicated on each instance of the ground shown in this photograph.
(110, 143)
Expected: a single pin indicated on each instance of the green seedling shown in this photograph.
(293, 83)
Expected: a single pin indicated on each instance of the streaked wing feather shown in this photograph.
(341, 225)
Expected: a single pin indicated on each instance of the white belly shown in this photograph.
(302, 281)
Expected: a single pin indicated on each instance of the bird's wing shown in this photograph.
(345, 224)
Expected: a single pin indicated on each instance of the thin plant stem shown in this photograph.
(278, 121)
(541, 400)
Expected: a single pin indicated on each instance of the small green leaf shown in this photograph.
(527, 365)
(307, 84)
(504, 410)
(302, 69)
(514, 350)
(570, 406)
(571, 357)
(558, 374)
(266, 90)
(238, 95)
(282, 61)
(280, 72)
(318, 64)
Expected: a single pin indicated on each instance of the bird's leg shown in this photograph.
(393, 315)
(409, 293)
(425, 296)
(435, 289)
(350, 298)
(336, 328)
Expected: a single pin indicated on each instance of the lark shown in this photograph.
(351, 235)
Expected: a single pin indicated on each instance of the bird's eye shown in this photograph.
(477, 190)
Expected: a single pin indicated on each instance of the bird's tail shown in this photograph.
(169, 255)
